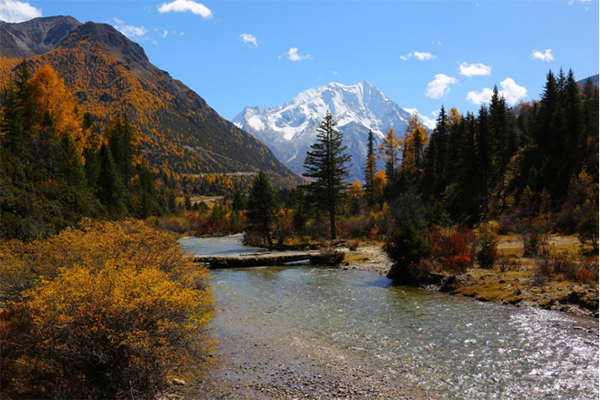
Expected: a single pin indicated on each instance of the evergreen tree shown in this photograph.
(370, 169)
(435, 159)
(123, 147)
(111, 191)
(92, 161)
(326, 164)
(71, 166)
(484, 150)
(408, 243)
(12, 121)
(263, 206)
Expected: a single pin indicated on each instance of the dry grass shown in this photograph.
(356, 257)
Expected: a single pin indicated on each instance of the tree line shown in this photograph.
(533, 168)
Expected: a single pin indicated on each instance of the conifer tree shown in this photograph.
(262, 207)
(71, 166)
(326, 164)
(12, 121)
(434, 179)
(370, 169)
(92, 160)
(111, 191)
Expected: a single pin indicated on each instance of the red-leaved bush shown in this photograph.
(453, 247)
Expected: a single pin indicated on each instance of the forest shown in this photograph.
(56, 167)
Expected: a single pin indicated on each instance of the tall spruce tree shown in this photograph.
(262, 207)
(111, 191)
(370, 169)
(12, 125)
(70, 164)
(326, 164)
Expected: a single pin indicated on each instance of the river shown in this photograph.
(428, 343)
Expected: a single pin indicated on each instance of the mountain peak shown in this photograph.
(290, 129)
(34, 37)
(113, 41)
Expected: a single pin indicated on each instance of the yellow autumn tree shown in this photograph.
(415, 142)
(108, 310)
(379, 183)
(389, 151)
(47, 93)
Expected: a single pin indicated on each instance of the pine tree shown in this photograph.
(370, 169)
(326, 164)
(92, 161)
(70, 163)
(12, 121)
(263, 206)
(435, 159)
(111, 191)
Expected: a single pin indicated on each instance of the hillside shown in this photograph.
(109, 73)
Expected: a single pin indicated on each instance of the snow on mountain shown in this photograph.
(289, 129)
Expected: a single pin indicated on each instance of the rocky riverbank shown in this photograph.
(520, 287)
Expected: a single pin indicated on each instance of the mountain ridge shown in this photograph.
(179, 131)
(290, 128)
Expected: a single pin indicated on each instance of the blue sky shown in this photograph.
(420, 54)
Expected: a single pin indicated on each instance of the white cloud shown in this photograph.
(542, 55)
(439, 86)
(293, 55)
(475, 69)
(335, 72)
(428, 122)
(421, 56)
(154, 42)
(17, 11)
(184, 6)
(510, 91)
(249, 39)
(164, 34)
(132, 32)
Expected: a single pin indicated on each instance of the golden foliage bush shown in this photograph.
(108, 310)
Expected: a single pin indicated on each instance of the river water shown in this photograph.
(452, 347)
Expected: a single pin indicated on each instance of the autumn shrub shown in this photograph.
(534, 233)
(507, 263)
(587, 271)
(544, 267)
(488, 248)
(285, 228)
(355, 226)
(452, 247)
(109, 310)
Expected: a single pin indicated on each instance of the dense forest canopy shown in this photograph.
(56, 167)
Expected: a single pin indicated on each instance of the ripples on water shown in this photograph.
(455, 347)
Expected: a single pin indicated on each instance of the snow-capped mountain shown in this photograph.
(289, 129)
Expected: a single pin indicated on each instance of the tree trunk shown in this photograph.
(332, 223)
